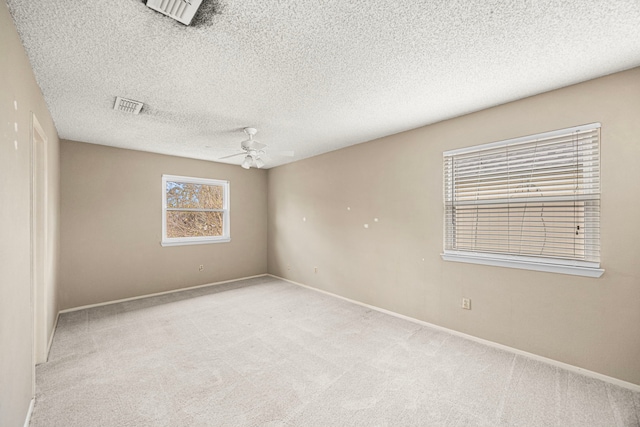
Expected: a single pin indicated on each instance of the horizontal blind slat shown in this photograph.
(583, 153)
(524, 199)
(540, 142)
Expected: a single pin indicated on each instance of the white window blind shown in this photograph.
(534, 199)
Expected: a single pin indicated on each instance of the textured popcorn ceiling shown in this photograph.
(311, 75)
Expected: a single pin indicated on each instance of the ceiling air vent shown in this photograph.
(180, 10)
(127, 105)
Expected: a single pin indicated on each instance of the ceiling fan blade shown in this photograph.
(232, 155)
(286, 153)
(255, 145)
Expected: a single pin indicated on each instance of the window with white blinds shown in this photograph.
(531, 202)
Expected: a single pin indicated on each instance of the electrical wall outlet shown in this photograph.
(315, 270)
(466, 303)
(201, 267)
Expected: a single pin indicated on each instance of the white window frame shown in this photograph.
(553, 265)
(178, 241)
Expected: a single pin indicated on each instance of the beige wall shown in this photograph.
(17, 83)
(111, 210)
(395, 263)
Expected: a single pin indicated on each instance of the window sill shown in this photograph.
(193, 242)
(574, 270)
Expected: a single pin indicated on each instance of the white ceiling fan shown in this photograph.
(254, 151)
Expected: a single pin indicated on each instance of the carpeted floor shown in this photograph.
(263, 352)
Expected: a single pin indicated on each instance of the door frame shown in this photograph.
(39, 241)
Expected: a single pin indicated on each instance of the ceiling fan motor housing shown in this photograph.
(253, 151)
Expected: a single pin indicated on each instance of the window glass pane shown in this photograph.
(194, 224)
(194, 196)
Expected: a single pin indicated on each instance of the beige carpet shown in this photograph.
(263, 352)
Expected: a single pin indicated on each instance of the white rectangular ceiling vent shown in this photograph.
(127, 105)
(180, 10)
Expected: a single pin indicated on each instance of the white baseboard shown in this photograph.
(29, 412)
(568, 367)
(68, 310)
